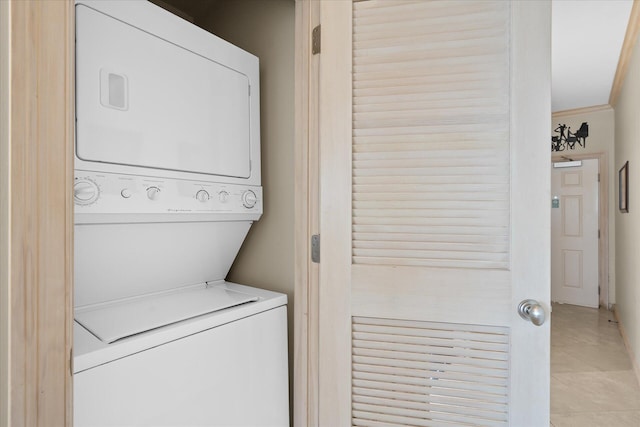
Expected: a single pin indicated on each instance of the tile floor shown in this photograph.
(592, 380)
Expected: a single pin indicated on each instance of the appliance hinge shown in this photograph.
(249, 90)
(315, 40)
(598, 233)
(598, 177)
(315, 248)
(598, 290)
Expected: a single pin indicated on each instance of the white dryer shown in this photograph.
(167, 185)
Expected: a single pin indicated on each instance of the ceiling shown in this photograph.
(587, 37)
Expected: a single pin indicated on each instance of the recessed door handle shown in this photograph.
(531, 310)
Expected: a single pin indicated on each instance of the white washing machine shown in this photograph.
(167, 185)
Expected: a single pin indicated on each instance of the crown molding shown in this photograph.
(625, 54)
(583, 110)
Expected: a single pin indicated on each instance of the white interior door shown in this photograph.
(434, 187)
(574, 234)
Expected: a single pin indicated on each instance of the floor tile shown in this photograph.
(592, 381)
(594, 391)
(597, 419)
(586, 358)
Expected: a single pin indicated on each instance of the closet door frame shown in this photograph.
(36, 212)
(306, 188)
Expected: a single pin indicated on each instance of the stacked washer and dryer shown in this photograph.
(167, 185)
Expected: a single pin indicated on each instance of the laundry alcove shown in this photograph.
(265, 29)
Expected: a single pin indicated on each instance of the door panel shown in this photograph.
(435, 294)
(574, 231)
(432, 211)
(430, 114)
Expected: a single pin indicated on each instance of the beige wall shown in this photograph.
(5, 86)
(627, 125)
(266, 29)
(601, 140)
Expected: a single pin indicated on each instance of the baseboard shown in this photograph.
(632, 356)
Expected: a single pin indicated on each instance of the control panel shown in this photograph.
(105, 193)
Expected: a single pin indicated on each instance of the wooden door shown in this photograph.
(434, 190)
(574, 234)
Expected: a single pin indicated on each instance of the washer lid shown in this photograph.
(113, 321)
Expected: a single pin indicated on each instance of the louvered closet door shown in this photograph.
(434, 187)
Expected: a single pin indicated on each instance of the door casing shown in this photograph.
(306, 189)
(36, 212)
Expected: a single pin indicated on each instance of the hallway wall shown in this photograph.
(601, 140)
(627, 148)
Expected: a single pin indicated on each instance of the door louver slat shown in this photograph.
(428, 374)
(431, 134)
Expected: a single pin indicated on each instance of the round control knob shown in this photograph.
(202, 196)
(126, 193)
(152, 193)
(249, 199)
(223, 196)
(85, 192)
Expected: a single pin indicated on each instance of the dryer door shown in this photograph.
(144, 101)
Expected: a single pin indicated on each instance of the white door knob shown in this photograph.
(531, 310)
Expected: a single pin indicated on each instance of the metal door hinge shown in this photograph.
(315, 248)
(598, 177)
(598, 234)
(71, 362)
(315, 40)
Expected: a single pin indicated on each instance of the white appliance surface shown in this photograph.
(195, 142)
(113, 321)
(90, 352)
(167, 185)
(122, 198)
(224, 369)
(163, 97)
